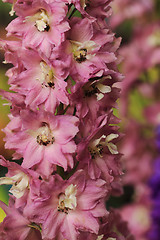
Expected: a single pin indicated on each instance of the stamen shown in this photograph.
(97, 146)
(90, 89)
(97, 88)
(45, 136)
(96, 151)
(19, 182)
(35, 226)
(80, 55)
(67, 200)
(42, 22)
(12, 12)
(83, 51)
(47, 76)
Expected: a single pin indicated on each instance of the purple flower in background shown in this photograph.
(155, 186)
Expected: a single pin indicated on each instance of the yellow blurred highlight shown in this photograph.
(3, 198)
(2, 215)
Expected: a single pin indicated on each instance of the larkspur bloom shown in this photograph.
(72, 205)
(96, 9)
(42, 81)
(41, 24)
(25, 183)
(46, 140)
(89, 48)
(16, 226)
(96, 92)
(137, 212)
(16, 177)
(97, 150)
(112, 228)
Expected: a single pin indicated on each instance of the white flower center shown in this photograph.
(19, 182)
(68, 200)
(41, 20)
(96, 87)
(47, 75)
(44, 135)
(83, 51)
(96, 147)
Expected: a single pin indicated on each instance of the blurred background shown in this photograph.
(138, 23)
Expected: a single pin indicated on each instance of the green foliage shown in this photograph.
(124, 30)
(152, 75)
(157, 8)
(137, 103)
(4, 198)
(5, 18)
(3, 85)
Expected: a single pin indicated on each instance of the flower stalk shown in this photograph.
(62, 124)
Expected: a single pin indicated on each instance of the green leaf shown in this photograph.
(137, 103)
(4, 198)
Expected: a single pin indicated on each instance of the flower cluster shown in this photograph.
(62, 126)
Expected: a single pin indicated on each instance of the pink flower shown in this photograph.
(16, 101)
(117, 228)
(96, 92)
(16, 226)
(138, 218)
(93, 10)
(89, 47)
(97, 152)
(43, 139)
(10, 48)
(42, 25)
(127, 9)
(137, 161)
(24, 182)
(69, 206)
(113, 227)
(41, 81)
